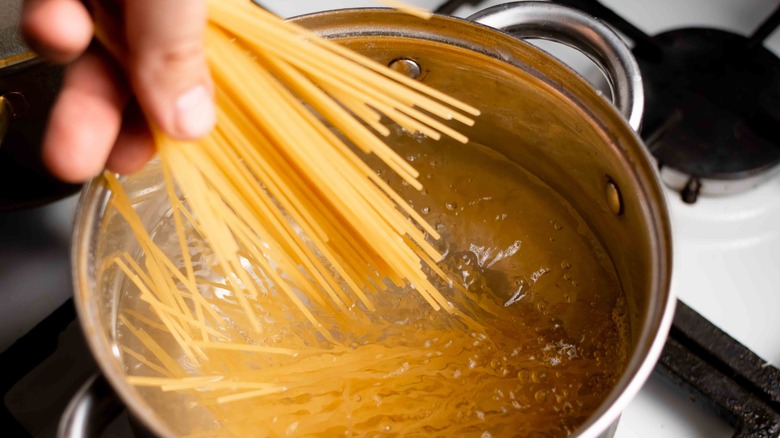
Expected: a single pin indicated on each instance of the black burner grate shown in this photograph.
(713, 103)
(25, 355)
(739, 386)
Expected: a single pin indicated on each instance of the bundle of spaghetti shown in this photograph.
(275, 185)
(296, 237)
(279, 190)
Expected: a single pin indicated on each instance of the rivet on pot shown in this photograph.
(614, 198)
(12, 106)
(406, 66)
(6, 114)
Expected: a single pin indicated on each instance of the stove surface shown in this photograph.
(726, 249)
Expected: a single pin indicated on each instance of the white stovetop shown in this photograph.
(726, 250)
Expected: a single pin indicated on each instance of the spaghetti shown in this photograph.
(287, 206)
(286, 241)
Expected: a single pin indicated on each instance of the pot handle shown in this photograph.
(544, 20)
(90, 411)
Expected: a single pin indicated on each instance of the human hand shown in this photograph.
(149, 65)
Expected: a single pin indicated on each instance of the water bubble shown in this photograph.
(524, 376)
(557, 225)
(566, 277)
(426, 210)
(619, 311)
(452, 205)
(541, 396)
(565, 264)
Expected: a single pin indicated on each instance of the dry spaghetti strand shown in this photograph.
(297, 228)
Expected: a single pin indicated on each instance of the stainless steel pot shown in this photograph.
(536, 112)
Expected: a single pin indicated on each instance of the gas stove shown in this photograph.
(726, 230)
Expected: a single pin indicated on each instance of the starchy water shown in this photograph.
(539, 338)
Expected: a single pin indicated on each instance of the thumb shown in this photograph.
(167, 66)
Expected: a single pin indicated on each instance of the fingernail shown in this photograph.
(195, 115)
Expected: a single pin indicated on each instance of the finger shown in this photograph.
(58, 30)
(85, 120)
(167, 65)
(108, 17)
(134, 146)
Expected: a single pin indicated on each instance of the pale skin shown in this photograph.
(149, 64)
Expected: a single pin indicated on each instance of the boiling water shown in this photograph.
(543, 339)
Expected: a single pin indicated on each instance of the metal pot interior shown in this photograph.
(536, 113)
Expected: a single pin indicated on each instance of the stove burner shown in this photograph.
(712, 107)
(712, 104)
